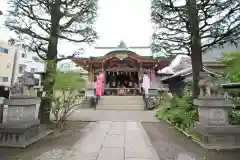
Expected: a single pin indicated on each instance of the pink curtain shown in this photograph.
(99, 86)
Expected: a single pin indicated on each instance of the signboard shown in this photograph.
(89, 93)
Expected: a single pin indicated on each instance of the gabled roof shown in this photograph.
(113, 53)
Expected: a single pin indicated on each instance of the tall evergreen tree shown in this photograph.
(194, 26)
(219, 23)
(39, 25)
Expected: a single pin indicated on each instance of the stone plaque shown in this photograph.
(218, 116)
(30, 112)
(15, 113)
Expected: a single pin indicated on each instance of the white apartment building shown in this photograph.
(28, 62)
(14, 62)
(7, 64)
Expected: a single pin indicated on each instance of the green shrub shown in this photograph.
(178, 111)
(232, 72)
(234, 117)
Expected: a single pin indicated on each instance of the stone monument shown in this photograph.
(21, 126)
(213, 127)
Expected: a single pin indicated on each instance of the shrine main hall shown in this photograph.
(122, 67)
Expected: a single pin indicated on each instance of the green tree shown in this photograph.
(66, 95)
(41, 24)
(231, 60)
(68, 81)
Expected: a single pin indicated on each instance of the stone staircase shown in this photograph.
(121, 103)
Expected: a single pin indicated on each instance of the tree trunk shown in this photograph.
(48, 83)
(51, 66)
(196, 51)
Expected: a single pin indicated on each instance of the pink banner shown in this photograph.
(99, 85)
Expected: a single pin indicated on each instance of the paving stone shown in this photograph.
(132, 126)
(111, 154)
(137, 159)
(86, 146)
(117, 128)
(138, 152)
(103, 127)
(113, 141)
(112, 115)
(135, 138)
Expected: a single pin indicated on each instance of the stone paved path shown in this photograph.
(112, 115)
(107, 140)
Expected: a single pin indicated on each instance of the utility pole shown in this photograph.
(196, 50)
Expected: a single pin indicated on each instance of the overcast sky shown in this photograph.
(127, 20)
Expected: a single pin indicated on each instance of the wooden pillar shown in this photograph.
(153, 78)
(91, 74)
(153, 75)
(140, 72)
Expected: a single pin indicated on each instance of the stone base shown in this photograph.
(220, 146)
(218, 137)
(22, 137)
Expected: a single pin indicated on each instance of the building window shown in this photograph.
(3, 50)
(24, 55)
(3, 79)
(35, 58)
(21, 68)
(33, 70)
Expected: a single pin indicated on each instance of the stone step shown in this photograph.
(120, 107)
(103, 102)
(122, 97)
(121, 103)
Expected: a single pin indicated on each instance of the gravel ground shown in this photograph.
(51, 147)
(172, 145)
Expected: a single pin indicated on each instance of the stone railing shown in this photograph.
(213, 127)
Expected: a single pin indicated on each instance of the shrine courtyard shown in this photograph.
(168, 143)
(118, 133)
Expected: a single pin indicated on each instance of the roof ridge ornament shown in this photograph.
(122, 45)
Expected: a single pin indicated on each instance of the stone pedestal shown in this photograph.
(90, 98)
(21, 126)
(213, 127)
(151, 99)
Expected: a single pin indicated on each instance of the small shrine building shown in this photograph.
(121, 66)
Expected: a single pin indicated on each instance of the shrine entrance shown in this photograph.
(127, 81)
(121, 75)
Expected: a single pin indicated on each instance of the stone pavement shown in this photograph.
(107, 140)
(112, 115)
